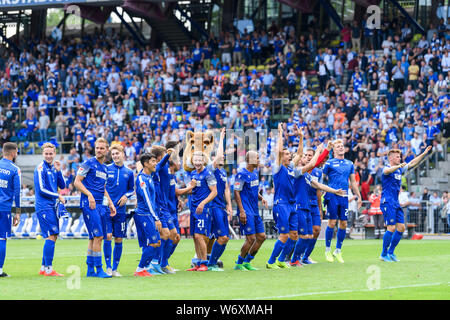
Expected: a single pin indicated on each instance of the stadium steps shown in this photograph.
(172, 32)
(438, 179)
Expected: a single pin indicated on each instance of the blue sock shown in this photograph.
(43, 259)
(299, 249)
(240, 260)
(117, 253)
(248, 258)
(146, 256)
(310, 248)
(49, 251)
(286, 250)
(107, 251)
(386, 242)
(215, 253)
(194, 261)
(340, 237)
(97, 258)
(172, 248)
(395, 240)
(90, 262)
(200, 262)
(151, 253)
(157, 256)
(165, 252)
(278, 247)
(328, 236)
(2, 252)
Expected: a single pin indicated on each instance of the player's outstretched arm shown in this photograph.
(419, 158)
(323, 187)
(187, 190)
(279, 144)
(219, 154)
(387, 171)
(299, 153)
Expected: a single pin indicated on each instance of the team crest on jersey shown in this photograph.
(398, 176)
(199, 183)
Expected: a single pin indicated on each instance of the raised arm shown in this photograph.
(279, 144)
(299, 153)
(419, 158)
(219, 154)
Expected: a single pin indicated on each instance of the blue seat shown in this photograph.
(33, 229)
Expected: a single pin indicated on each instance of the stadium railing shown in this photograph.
(432, 161)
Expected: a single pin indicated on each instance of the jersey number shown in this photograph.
(200, 223)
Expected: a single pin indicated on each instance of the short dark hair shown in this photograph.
(9, 147)
(146, 157)
(171, 144)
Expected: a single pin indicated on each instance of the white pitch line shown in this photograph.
(343, 291)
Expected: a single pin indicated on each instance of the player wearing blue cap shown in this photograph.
(47, 179)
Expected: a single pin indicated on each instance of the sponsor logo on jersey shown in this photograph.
(100, 174)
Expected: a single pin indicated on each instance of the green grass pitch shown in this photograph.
(422, 273)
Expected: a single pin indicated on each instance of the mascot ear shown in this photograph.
(189, 135)
(209, 136)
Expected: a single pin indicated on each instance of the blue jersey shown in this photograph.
(95, 175)
(391, 184)
(338, 172)
(172, 200)
(160, 196)
(10, 182)
(221, 178)
(120, 182)
(164, 180)
(247, 183)
(302, 183)
(283, 180)
(145, 195)
(201, 191)
(47, 181)
(316, 175)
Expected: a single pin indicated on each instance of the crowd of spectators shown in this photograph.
(76, 90)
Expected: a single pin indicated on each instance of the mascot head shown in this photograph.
(197, 142)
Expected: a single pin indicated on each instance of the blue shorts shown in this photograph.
(285, 217)
(5, 225)
(48, 221)
(315, 216)
(304, 222)
(146, 230)
(337, 207)
(175, 221)
(116, 225)
(166, 219)
(95, 221)
(219, 222)
(392, 214)
(254, 225)
(200, 223)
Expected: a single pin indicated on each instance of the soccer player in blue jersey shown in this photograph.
(246, 193)
(339, 171)
(172, 201)
(10, 182)
(120, 187)
(220, 209)
(284, 212)
(47, 179)
(168, 232)
(394, 219)
(315, 206)
(91, 182)
(202, 195)
(302, 183)
(147, 222)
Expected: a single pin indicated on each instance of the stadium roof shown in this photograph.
(11, 5)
